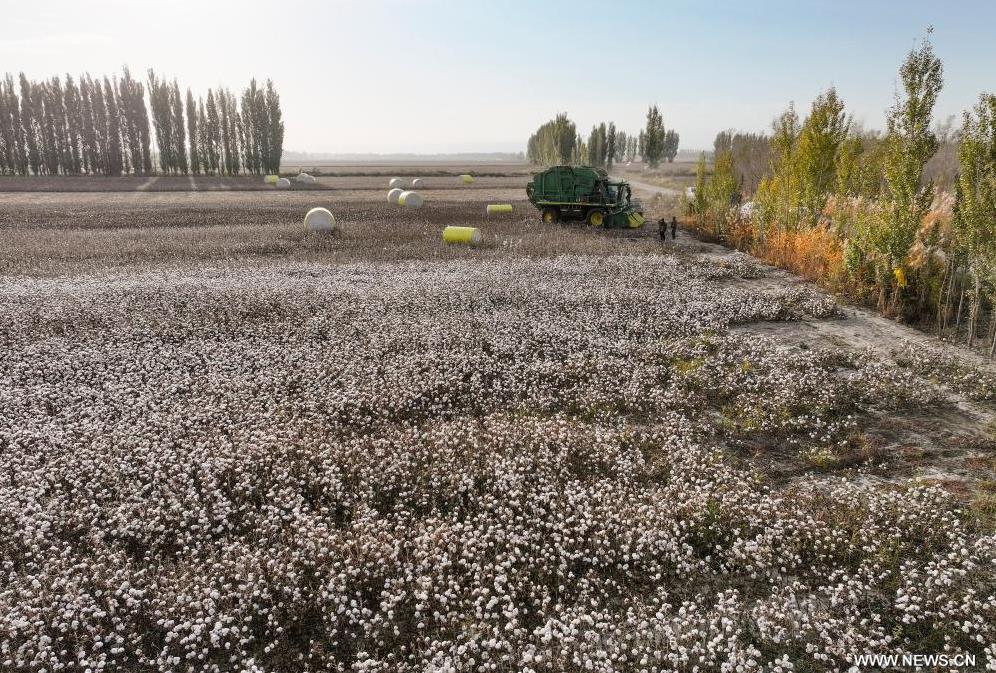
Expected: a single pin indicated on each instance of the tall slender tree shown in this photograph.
(114, 161)
(213, 133)
(274, 129)
(74, 119)
(179, 129)
(192, 136)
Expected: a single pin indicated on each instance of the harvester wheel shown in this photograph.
(550, 215)
(597, 217)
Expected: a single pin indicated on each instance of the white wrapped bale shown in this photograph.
(319, 220)
(305, 179)
(411, 200)
(396, 183)
(394, 195)
(417, 183)
(283, 183)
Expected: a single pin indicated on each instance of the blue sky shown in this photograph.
(443, 76)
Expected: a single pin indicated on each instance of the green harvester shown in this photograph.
(565, 193)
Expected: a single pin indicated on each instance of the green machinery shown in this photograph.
(584, 193)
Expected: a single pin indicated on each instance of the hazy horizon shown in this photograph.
(444, 78)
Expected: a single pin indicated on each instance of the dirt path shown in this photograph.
(653, 189)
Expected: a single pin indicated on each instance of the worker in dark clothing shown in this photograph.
(674, 227)
(662, 228)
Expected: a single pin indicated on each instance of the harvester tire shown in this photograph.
(597, 217)
(550, 215)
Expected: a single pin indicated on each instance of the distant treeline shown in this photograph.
(101, 126)
(558, 142)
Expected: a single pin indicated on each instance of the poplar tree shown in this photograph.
(9, 121)
(20, 153)
(975, 210)
(102, 143)
(213, 133)
(275, 129)
(203, 138)
(610, 146)
(74, 117)
(179, 129)
(192, 135)
(909, 145)
(45, 113)
(653, 138)
(162, 121)
(670, 145)
(113, 162)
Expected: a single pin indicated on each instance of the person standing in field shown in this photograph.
(662, 228)
(674, 227)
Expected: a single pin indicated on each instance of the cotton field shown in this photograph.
(491, 462)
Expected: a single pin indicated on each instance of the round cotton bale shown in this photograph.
(394, 195)
(271, 179)
(467, 179)
(319, 220)
(283, 183)
(306, 179)
(468, 235)
(411, 200)
(417, 183)
(499, 208)
(396, 183)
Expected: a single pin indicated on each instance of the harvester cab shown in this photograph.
(565, 193)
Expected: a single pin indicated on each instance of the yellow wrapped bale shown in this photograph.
(499, 208)
(467, 179)
(271, 179)
(468, 235)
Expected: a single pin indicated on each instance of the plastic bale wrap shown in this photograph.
(271, 179)
(396, 183)
(418, 183)
(636, 220)
(467, 179)
(467, 235)
(499, 208)
(411, 200)
(305, 179)
(394, 195)
(319, 220)
(283, 183)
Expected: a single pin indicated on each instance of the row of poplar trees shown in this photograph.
(862, 212)
(102, 126)
(557, 141)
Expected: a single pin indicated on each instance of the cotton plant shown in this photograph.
(487, 465)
